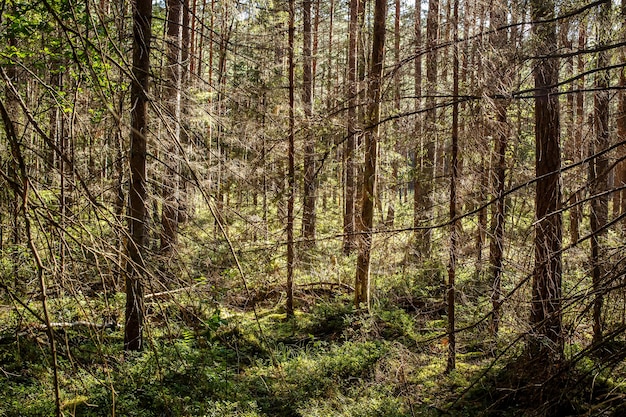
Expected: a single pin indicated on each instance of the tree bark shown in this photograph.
(619, 206)
(172, 93)
(291, 175)
(134, 315)
(391, 208)
(362, 281)
(546, 345)
(451, 363)
(309, 195)
(427, 166)
(498, 78)
(598, 174)
(576, 212)
(418, 150)
(349, 241)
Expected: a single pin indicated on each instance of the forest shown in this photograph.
(312, 208)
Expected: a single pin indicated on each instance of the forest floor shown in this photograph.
(217, 347)
(247, 359)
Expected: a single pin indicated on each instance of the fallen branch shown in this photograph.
(62, 325)
(169, 292)
(80, 323)
(328, 284)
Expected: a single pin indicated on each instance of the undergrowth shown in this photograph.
(329, 361)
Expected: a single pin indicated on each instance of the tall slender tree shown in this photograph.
(598, 172)
(366, 221)
(349, 146)
(309, 194)
(291, 174)
(427, 165)
(619, 205)
(454, 178)
(498, 82)
(394, 188)
(172, 95)
(546, 345)
(417, 151)
(140, 84)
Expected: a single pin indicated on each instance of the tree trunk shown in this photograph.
(142, 32)
(316, 32)
(362, 284)
(291, 165)
(499, 76)
(391, 208)
(576, 212)
(186, 56)
(309, 195)
(349, 241)
(427, 166)
(418, 150)
(598, 174)
(619, 206)
(546, 345)
(451, 363)
(172, 97)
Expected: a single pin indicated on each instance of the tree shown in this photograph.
(417, 105)
(427, 165)
(498, 82)
(136, 267)
(454, 178)
(546, 344)
(349, 146)
(619, 202)
(362, 281)
(309, 194)
(291, 175)
(598, 173)
(391, 207)
(172, 95)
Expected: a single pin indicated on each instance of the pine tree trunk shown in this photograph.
(619, 206)
(309, 195)
(454, 164)
(349, 145)
(362, 281)
(546, 345)
(391, 208)
(418, 150)
(599, 178)
(291, 175)
(172, 97)
(427, 166)
(142, 32)
(576, 212)
(499, 76)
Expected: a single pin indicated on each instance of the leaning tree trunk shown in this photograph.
(142, 19)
